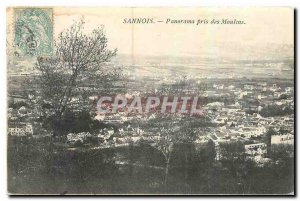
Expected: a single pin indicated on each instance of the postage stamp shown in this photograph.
(33, 31)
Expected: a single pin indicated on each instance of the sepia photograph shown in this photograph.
(150, 100)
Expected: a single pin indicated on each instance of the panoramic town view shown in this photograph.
(64, 138)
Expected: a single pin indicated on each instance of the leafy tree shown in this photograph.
(267, 138)
(232, 151)
(77, 68)
(276, 110)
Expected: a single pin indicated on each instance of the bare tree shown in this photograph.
(172, 132)
(165, 144)
(79, 59)
(168, 137)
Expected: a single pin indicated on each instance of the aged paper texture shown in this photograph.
(152, 101)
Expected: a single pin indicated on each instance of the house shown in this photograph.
(256, 149)
(17, 98)
(243, 94)
(282, 139)
(99, 117)
(218, 86)
(112, 119)
(105, 134)
(253, 131)
(262, 84)
(261, 161)
(289, 90)
(248, 87)
(215, 105)
(20, 130)
(231, 87)
(78, 137)
(274, 88)
(201, 139)
(221, 120)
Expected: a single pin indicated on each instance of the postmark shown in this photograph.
(33, 31)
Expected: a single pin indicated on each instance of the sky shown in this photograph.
(263, 25)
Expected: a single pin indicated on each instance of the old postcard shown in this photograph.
(151, 101)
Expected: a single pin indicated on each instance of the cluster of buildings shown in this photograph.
(246, 121)
(242, 112)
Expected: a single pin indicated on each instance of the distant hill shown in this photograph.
(230, 60)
